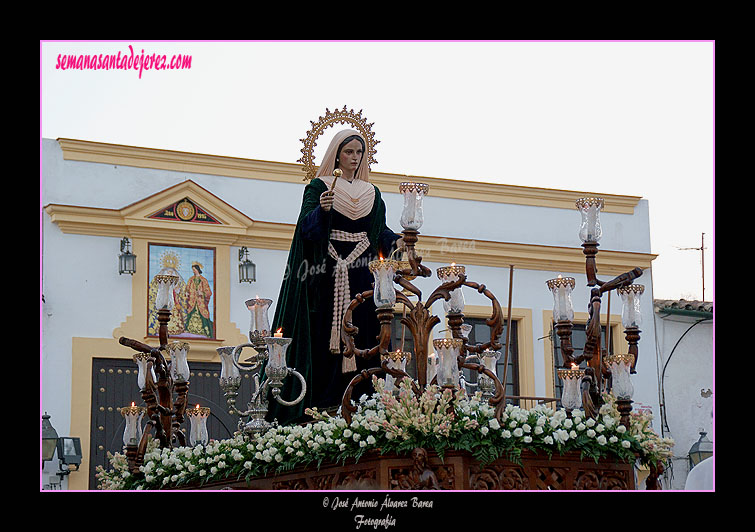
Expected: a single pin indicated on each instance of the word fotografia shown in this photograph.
(126, 61)
(374, 522)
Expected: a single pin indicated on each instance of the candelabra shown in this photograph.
(164, 386)
(270, 352)
(453, 354)
(584, 387)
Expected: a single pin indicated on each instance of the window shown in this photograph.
(480, 333)
(578, 339)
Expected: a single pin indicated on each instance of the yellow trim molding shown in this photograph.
(236, 229)
(116, 154)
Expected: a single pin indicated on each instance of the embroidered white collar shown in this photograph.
(352, 199)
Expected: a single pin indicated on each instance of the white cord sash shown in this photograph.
(342, 292)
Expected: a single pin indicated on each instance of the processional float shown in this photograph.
(164, 386)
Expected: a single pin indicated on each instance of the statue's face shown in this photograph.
(350, 156)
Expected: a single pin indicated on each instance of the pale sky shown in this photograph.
(633, 118)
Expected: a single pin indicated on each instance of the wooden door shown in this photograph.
(114, 386)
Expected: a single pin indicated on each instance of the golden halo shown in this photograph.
(330, 119)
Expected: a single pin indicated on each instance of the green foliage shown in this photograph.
(388, 424)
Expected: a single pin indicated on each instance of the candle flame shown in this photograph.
(574, 366)
(453, 264)
(133, 404)
(197, 407)
(559, 276)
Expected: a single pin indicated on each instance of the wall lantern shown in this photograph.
(700, 450)
(49, 439)
(126, 260)
(247, 269)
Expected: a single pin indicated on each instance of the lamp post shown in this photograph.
(49, 439)
(700, 450)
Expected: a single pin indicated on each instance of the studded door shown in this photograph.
(114, 386)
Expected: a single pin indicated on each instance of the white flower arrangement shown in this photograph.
(439, 420)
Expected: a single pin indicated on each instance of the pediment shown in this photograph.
(185, 211)
(187, 203)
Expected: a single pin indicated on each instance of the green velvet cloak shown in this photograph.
(300, 298)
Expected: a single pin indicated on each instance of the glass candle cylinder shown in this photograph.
(630, 297)
(396, 360)
(260, 324)
(132, 434)
(621, 381)
(411, 216)
(432, 367)
(229, 373)
(141, 360)
(448, 366)
(490, 360)
(179, 365)
(384, 292)
(589, 208)
(165, 286)
(276, 349)
(198, 430)
(448, 274)
(562, 287)
(571, 397)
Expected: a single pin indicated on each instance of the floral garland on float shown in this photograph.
(439, 419)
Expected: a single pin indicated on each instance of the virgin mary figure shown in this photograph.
(337, 235)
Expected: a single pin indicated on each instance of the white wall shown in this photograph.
(687, 383)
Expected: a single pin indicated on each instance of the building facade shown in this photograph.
(179, 210)
(684, 332)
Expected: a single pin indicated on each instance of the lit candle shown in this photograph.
(571, 397)
(198, 430)
(278, 333)
(384, 293)
(276, 349)
(132, 433)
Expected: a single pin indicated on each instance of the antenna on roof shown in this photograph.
(701, 249)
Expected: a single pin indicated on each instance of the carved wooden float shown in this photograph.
(458, 470)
